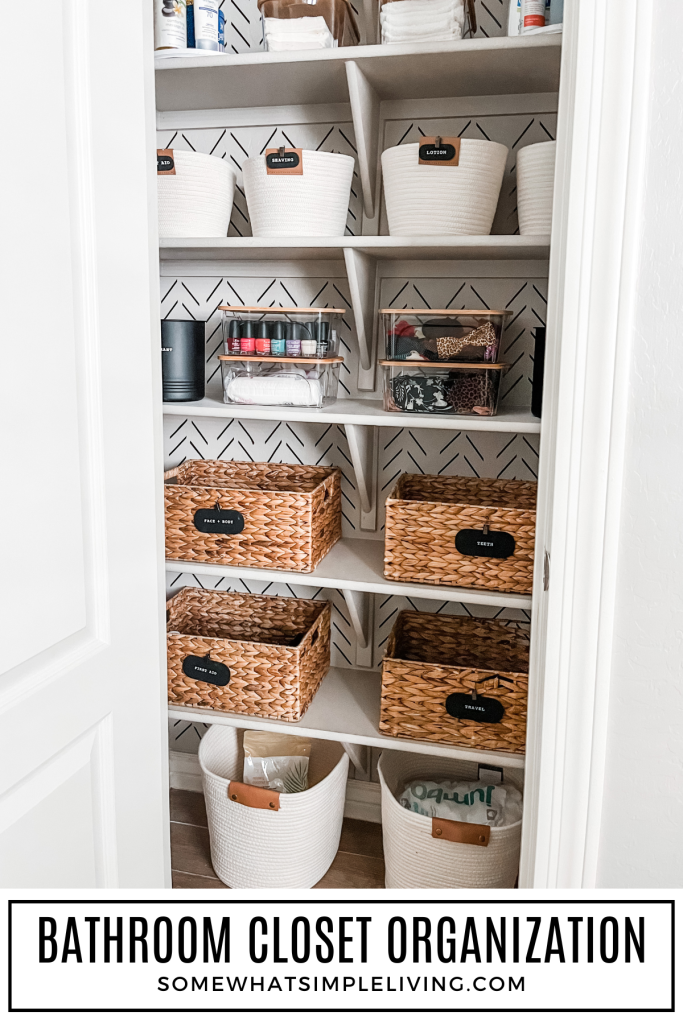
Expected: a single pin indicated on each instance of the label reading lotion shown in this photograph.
(165, 161)
(284, 161)
(439, 152)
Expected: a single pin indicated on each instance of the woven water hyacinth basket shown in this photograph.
(268, 655)
(431, 657)
(287, 517)
(425, 515)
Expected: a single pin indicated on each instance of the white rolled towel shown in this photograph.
(280, 389)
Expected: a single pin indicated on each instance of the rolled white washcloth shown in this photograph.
(422, 20)
(283, 389)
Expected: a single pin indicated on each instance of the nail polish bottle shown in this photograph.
(277, 338)
(293, 338)
(247, 338)
(308, 339)
(232, 343)
(262, 338)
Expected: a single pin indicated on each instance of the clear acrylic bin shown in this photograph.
(308, 25)
(451, 389)
(267, 380)
(292, 333)
(443, 335)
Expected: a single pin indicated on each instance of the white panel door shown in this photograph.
(83, 781)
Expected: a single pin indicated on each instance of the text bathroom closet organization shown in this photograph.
(355, 213)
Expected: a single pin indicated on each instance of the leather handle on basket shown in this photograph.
(461, 832)
(253, 796)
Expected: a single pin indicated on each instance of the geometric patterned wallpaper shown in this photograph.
(197, 296)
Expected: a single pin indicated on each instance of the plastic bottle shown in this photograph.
(170, 25)
(534, 14)
(206, 24)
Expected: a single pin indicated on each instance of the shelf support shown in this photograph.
(358, 756)
(362, 443)
(361, 272)
(360, 606)
(365, 114)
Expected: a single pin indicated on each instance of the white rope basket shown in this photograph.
(314, 203)
(462, 200)
(535, 179)
(196, 201)
(255, 848)
(413, 858)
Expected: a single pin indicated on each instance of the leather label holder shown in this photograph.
(461, 832)
(439, 152)
(253, 796)
(284, 161)
(165, 161)
(487, 710)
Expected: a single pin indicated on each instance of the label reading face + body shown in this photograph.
(218, 520)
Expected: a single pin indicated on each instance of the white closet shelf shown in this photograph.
(384, 247)
(355, 565)
(360, 411)
(472, 67)
(346, 709)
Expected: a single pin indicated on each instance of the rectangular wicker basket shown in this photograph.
(485, 656)
(277, 651)
(290, 515)
(425, 514)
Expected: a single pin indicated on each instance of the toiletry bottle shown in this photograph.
(308, 339)
(170, 25)
(277, 338)
(262, 338)
(221, 31)
(248, 338)
(206, 24)
(323, 339)
(232, 344)
(533, 14)
(190, 25)
(293, 338)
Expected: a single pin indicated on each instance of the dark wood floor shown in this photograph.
(359, 864)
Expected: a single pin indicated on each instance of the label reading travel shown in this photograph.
(284, 161)
(205, 669)
(165, 161)
(218, 520)
(439, 152)
(476, 709)
(489, 544)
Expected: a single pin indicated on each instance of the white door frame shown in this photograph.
(594, 260)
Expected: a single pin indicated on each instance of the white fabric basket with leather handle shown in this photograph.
(266, 840)
(438, 853)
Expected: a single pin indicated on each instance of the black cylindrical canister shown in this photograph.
(182, 360)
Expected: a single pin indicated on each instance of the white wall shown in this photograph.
(642, 824)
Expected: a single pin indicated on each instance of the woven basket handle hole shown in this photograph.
(314, 637)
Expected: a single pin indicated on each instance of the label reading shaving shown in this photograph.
(284, 161)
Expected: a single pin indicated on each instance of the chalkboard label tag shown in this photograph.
(485, 543)
(165, 161)
(439, 152)
(218, 520)
(284, 161)
(476, 709)
(206, 670)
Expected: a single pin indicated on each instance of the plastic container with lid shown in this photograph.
(272, 380)
(311, 25)
(287, 333)
(444, 335)
(451, 389)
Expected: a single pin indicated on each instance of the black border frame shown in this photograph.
(412, 1009)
